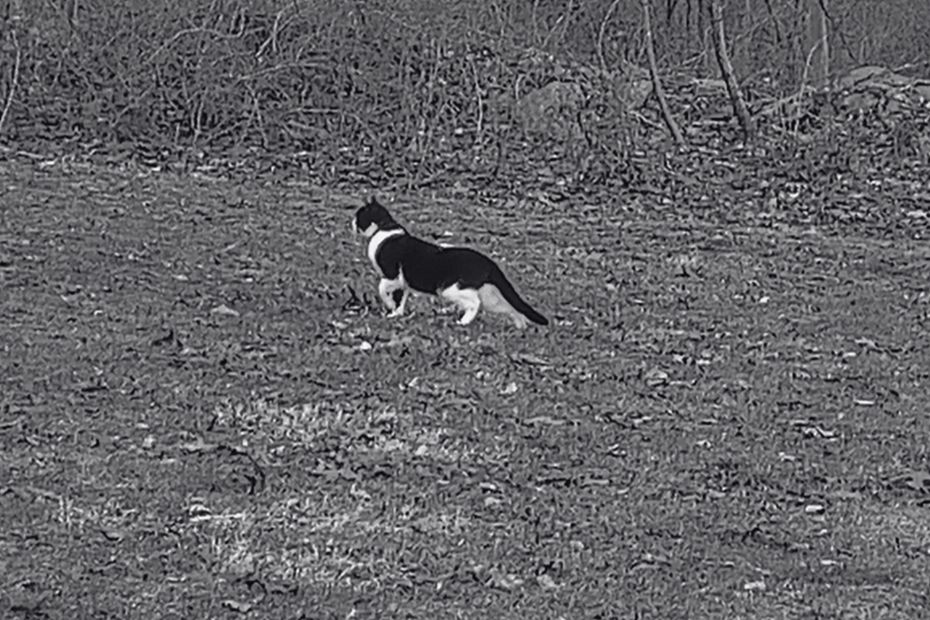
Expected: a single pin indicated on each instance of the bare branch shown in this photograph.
(14, 80)
(479, 103)
(840, 33)
(817, 39)
(602, 31)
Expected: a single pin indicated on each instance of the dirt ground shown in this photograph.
(204, 414)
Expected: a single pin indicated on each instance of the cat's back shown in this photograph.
(464, 266)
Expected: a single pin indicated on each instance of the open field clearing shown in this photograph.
(203, 412)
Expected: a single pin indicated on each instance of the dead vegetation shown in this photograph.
(200, 418)
(392, 94)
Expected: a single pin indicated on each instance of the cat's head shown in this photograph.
(371, 218)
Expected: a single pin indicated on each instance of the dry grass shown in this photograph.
(726, 420)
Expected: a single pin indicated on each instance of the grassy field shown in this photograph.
(204, 414)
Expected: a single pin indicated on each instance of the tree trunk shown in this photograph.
(656, 82)
(726, 68)
(817, 46)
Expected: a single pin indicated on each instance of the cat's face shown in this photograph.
(368, 219)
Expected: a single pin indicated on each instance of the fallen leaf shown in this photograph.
(915, 480)
(546, 582)
(237, 606)
(543, 419)
(397, 341)
(112, 533)
(198, 445)
(224, 309)
(510, 389)
(385, 417)
(811, 430)
(503, 581)
(655, 377)
(653, 558)
(526, 358)
(844, 494)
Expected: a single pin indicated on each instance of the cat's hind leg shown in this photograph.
(465, 298)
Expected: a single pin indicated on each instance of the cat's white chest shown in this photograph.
(375, 244)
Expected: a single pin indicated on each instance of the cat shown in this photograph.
(463, 276)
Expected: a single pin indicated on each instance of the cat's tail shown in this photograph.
(516, 307)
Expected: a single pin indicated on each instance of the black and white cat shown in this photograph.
(463, 276)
